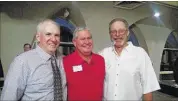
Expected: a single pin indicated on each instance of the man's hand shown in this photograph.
(148, 97)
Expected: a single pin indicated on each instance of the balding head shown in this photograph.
(48, 36)
(43, 24)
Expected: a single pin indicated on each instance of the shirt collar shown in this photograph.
(80, 60)
(42, 53)
(127, 48)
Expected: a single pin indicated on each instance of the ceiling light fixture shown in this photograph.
(157, 14)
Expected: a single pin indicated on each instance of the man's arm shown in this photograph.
(104, 89)
(148, 78)
(14, 84)
(148, 97)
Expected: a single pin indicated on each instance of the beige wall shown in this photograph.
(14, 33)
(18, 26)
(96, 15)
(155, 38)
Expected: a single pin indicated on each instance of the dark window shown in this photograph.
(133, 38)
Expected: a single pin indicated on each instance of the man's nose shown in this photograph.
(117, 33)
(53, 38)
(87, 41)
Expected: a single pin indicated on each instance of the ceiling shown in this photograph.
(130, 5)
(173, 3)
(169, 3)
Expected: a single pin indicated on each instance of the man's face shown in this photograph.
(27, 48)
(119, 34)
(83, 42)
(49, 39)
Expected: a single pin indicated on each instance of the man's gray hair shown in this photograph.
(78, 29)
(119, 19)
(42, 24)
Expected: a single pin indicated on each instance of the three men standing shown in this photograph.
(125, 72)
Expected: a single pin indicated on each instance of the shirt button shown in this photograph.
(115, 95)
(118, 64)
(117, 74)
(116, 84)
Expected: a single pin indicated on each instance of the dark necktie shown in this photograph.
(57, 80)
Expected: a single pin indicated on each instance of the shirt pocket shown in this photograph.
(130, 66)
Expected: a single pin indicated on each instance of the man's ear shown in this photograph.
(74, 42)
(38, 37)
(128, 33)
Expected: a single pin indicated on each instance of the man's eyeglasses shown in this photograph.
(121, 31)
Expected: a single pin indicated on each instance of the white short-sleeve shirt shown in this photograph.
(129, 75)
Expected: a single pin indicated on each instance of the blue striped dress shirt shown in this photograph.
(30, 77)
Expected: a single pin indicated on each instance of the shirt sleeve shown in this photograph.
(148, 76)
(15, 81)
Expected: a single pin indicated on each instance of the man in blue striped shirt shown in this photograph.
(30, 76)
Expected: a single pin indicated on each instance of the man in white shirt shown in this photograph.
(129, 71)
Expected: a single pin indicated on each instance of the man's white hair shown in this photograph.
(42, 24)
(78, 29)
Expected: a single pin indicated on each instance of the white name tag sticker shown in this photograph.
(77, 68)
